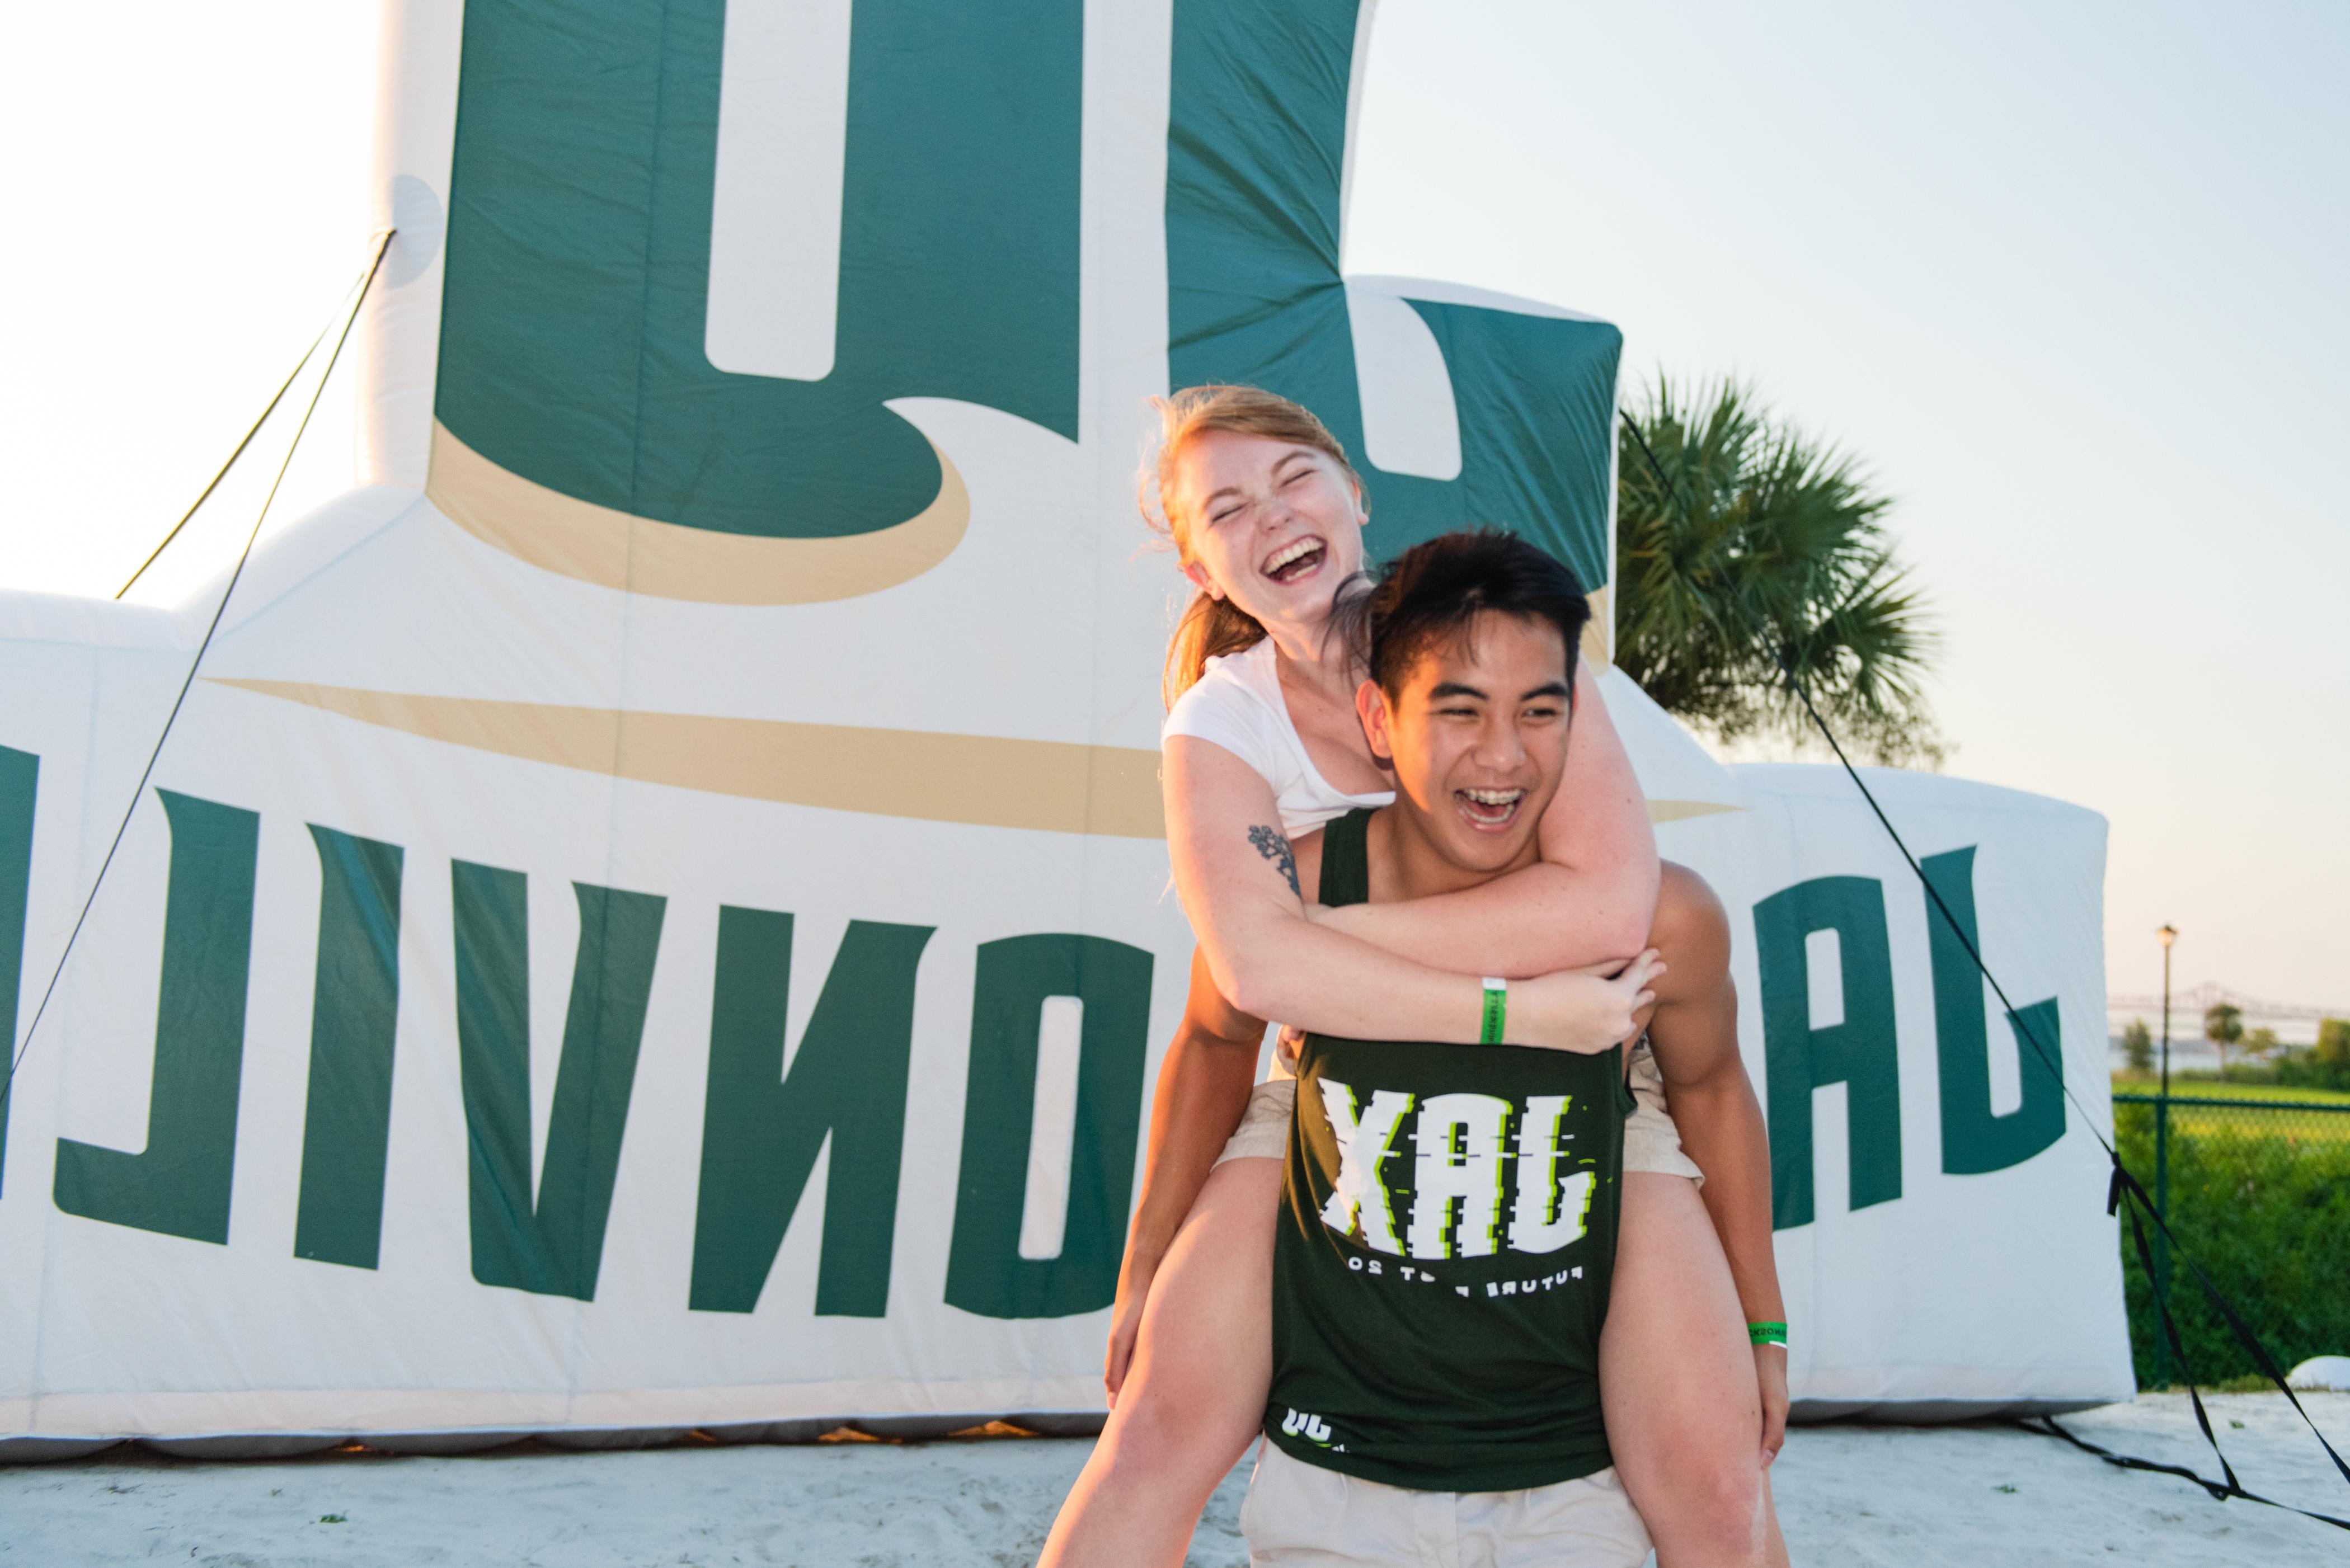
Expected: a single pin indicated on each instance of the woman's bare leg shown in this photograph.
(1677, 1381)
(1195, 1395)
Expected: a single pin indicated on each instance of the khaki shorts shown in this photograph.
(1264, 1132)
(1302, 1516)
(1651, 1142)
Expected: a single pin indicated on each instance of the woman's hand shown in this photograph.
(1125, 1323)
(1583, 1009)
(1771, 1373)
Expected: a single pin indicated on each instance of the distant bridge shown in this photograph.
(2187, 1008)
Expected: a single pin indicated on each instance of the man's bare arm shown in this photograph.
(1695, 1036)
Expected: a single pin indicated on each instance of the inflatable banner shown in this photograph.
(655, 913)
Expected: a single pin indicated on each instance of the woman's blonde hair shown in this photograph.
(1211, 627)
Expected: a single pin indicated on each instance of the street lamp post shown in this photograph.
(2166, 936)
(2162, 1280)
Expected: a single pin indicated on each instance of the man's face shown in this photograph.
(1479, 737)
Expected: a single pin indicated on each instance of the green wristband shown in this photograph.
(1768, 1333)
(1497, 1008)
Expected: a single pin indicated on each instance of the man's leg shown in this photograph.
(1195, 1396)
(1677, 1380)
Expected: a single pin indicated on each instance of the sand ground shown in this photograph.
(1850, 1495)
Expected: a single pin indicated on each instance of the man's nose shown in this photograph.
(1501, 746)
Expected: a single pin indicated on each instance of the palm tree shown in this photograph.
(2223, 1025)
(1759, 544)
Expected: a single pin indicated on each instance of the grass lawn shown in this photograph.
(2261, 1198)
(2202, 1088)
(2295, 1129)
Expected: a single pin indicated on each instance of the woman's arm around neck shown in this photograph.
(1236, 871)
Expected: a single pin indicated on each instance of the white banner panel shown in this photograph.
(1939, 1204)
(655, 913)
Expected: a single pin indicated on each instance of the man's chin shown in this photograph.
(1484, 853)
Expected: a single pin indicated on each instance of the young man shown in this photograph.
(1449, 1213)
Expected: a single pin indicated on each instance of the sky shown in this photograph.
(2065, 279)
(2068, 281)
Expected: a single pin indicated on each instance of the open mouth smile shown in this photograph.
(1489, 810)
(1296, 560)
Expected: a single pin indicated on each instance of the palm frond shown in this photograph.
(1759, 544)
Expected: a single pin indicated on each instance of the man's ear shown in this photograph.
(1201, 580)
(1371, 707)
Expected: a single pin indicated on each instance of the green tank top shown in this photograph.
(1448, 1228)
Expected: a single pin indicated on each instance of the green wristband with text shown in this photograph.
(1768, 1333)
(1497, 1008)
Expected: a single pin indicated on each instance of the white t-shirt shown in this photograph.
(1237, 703)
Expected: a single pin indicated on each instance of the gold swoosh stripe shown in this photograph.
(1053, 787)
(613, 549)
(1593, 646)
(1682, 810)
(987, 781)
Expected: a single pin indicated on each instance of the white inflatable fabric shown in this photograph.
(654, 915)
(2323, 1372)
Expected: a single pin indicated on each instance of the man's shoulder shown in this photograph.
(1691, 922)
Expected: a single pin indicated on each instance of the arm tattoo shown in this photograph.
(1271, 844)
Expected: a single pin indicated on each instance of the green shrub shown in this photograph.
(2262, 1200)
(2300, 1070)
(2325, 1066)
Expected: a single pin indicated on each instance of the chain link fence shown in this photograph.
(2258, 1193)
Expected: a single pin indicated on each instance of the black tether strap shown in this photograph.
(2048, 1426)
(2123, 1184)
(283, 388)
(367, 280)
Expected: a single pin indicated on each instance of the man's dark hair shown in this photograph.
(1437, 590)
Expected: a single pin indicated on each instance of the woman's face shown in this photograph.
(1273, 526)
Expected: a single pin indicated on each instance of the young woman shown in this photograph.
(1263, 742)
